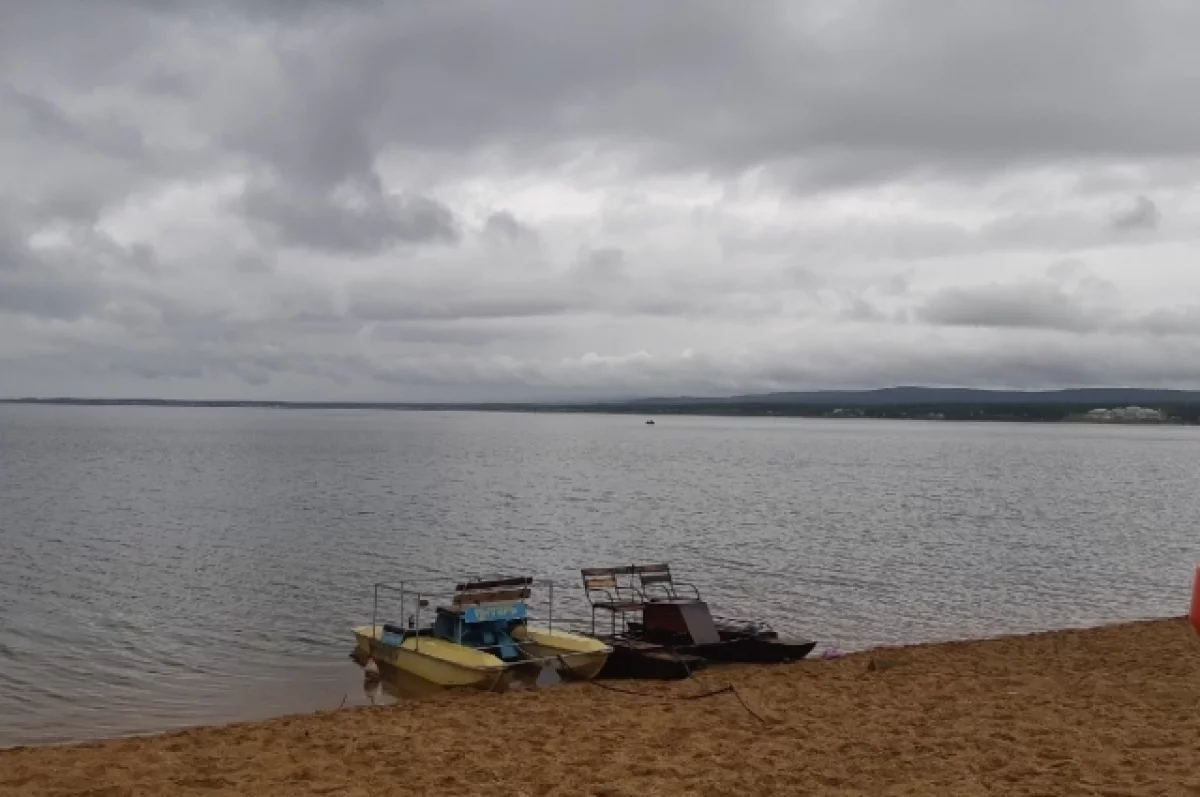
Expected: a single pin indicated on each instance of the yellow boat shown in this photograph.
(581, 657)
(483, 639)
(435, 660)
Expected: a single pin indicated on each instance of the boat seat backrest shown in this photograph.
(609, 584)
(653, 574)
(506, 590)
(658, 578)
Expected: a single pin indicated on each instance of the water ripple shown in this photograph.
(170, 567)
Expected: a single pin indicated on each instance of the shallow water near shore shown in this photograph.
(172, 567)
(1098, 711)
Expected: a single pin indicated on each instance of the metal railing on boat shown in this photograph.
(421, 599)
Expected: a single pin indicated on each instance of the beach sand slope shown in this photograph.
(1110, 711)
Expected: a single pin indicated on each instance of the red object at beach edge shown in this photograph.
(1194, 614)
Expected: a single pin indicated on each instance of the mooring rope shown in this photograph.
(722, 690)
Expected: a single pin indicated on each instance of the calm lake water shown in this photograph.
(170, 567)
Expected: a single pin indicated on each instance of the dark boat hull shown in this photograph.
(643, 660)
(738, 643)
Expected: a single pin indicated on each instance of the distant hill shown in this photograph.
(955, 399)
(910, 396)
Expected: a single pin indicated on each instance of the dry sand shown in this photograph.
(1112, 711)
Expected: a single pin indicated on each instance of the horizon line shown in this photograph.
(568, 402)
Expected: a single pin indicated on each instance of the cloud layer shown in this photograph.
(468, 200)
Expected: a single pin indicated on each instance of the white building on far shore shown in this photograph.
(1126, 415)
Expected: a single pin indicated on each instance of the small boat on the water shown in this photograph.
(660, 628)
(650, 422)
(482, 639)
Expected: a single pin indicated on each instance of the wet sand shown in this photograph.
(1110, 711)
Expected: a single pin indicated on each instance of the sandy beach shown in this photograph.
(1110, 711)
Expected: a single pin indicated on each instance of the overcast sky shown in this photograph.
(367, 199)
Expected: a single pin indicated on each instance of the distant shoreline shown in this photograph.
(1031, 410)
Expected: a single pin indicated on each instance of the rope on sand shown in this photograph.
(721, 690)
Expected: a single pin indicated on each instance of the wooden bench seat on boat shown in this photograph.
(656, 582)
(504, 590)
(611, 589)
(480, 612)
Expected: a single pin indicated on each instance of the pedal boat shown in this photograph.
(482, 640)
(661, 628)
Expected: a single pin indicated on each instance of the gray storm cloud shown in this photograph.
(469, 200)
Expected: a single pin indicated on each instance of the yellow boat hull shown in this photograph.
(434, 660)
(444, 663)
(580, 657)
